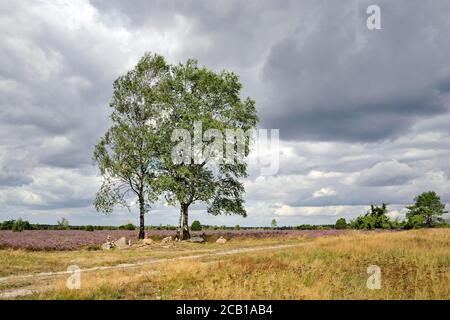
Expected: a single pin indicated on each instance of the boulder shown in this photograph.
(167, 240)
(122, 243)
(147, 241)
(221, 240)
(107, 246)
(197, 239)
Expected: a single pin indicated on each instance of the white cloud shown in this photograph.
(324, 192)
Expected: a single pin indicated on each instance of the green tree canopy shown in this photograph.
(375, 218)
(273, 223)
(196, 226)
(341, 223)
(199, 101)
(128, 154)
(428, 205)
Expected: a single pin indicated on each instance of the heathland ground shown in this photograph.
(413, 264)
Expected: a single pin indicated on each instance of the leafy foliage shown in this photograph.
(63, 224)
(127, 155)
(88, 228)
(415, 222)
(196, 95)
(196, 226)
(375, 218)
(128, 226)
(341, 223)
(20, 225)
(427, 208)
(135, 155)
(273, 223)
(7, 225)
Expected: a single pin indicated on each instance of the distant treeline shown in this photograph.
(20, 225)
(426, 212)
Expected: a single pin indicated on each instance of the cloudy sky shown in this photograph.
(363, 114)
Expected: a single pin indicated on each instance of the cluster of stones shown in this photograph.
(121, 243)
(124, 242)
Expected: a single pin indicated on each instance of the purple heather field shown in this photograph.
(76, 239)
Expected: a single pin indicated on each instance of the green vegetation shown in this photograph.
(341, 224)
(196, 226)
(128, 226)
(426, 211)
(273, 224)
(20, 225)
(63, 224)
(88, 228)
(375, 218)
(201, 102)
(7, 225)
(127, 154)
(135, 156)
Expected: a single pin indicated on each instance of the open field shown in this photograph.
(414, 265)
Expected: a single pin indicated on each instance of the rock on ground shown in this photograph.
(167, 240)
(221, 240)
(147, 241)
(107, 246)
(122, 243)
(197, 239)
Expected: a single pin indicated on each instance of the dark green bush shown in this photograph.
(196, 226)
(7, 225)
(415, 222)
(341, 224)
(63, 224)
(375, 218)
(306, 227)
(21, 225)
(128, 226)
(88, 228)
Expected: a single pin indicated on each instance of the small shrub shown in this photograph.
(273, 224)
(7, 225)
(196, 226)
(63, 224)
(237, 227)
(341, 224)
(415, 222)
(21, 225)
(375, 218)
(306, 227)
(88, 228)
(128, 226)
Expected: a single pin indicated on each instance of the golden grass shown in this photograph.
(414, 265)
(17, 262)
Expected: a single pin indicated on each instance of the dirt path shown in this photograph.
(27, 290)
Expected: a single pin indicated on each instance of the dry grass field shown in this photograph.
(414, 265)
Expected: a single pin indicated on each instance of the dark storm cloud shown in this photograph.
(325, 76)
(338, 80)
